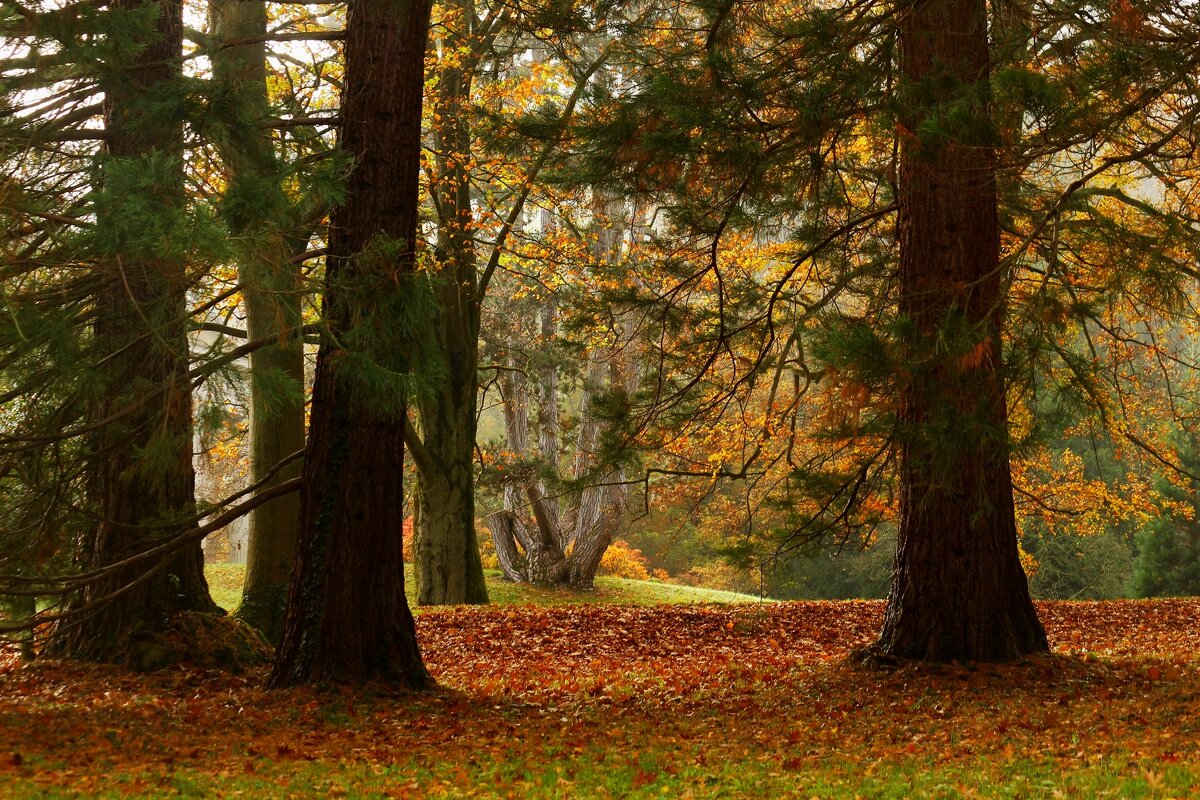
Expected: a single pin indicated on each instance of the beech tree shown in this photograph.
(478, 212)
(271, 233)
(347, 617)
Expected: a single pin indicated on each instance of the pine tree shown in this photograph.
(1168, 548)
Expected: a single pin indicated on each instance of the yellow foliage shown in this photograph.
(622, 561)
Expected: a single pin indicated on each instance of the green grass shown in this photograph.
(602, 773)
(225, 583)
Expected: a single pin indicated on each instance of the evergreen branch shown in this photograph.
(228, 330)
(197, 376)
(298, 122)
(1056, 208)
(301, 36)
(309, 255)
(164, 551)
(81, 579)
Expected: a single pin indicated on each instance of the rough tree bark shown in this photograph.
(959, 591)
(265, 228)
(347, 617)
(142, 473)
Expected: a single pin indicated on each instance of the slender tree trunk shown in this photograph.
(259, 216)
(347, 617)
(448, 567)
(142, 466)
(959, 591)
(546, 504)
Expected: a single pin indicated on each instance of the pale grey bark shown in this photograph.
(535, 540)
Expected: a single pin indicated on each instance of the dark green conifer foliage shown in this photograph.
(1167, 563)
(140, 455)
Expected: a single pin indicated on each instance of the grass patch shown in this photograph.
(225, 584)
(650, 775)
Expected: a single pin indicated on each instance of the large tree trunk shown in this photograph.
(259, 217)
(448, 566)
(959, 591)
(347, 617)
(142, 465)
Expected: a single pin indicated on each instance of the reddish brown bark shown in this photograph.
(959, 591)
(347, 617)
(142, 476)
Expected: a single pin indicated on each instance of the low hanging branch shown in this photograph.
(61, 585)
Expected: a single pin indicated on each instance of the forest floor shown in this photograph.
(588, 701)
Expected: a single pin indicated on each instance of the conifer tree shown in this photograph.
(141, 479)
(959, 591)
(347, 617)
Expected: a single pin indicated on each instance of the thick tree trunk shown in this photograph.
(959, 591)
(347, 617)
(259, 217)
(142, 465)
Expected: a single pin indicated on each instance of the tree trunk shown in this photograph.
(142, 465)
(448, 566)
(259, 216)
(347, 617)
(449, 569)
(559, 548)
(505, 529)
(959, 591)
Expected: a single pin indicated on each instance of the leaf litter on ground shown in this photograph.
(669, 696)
